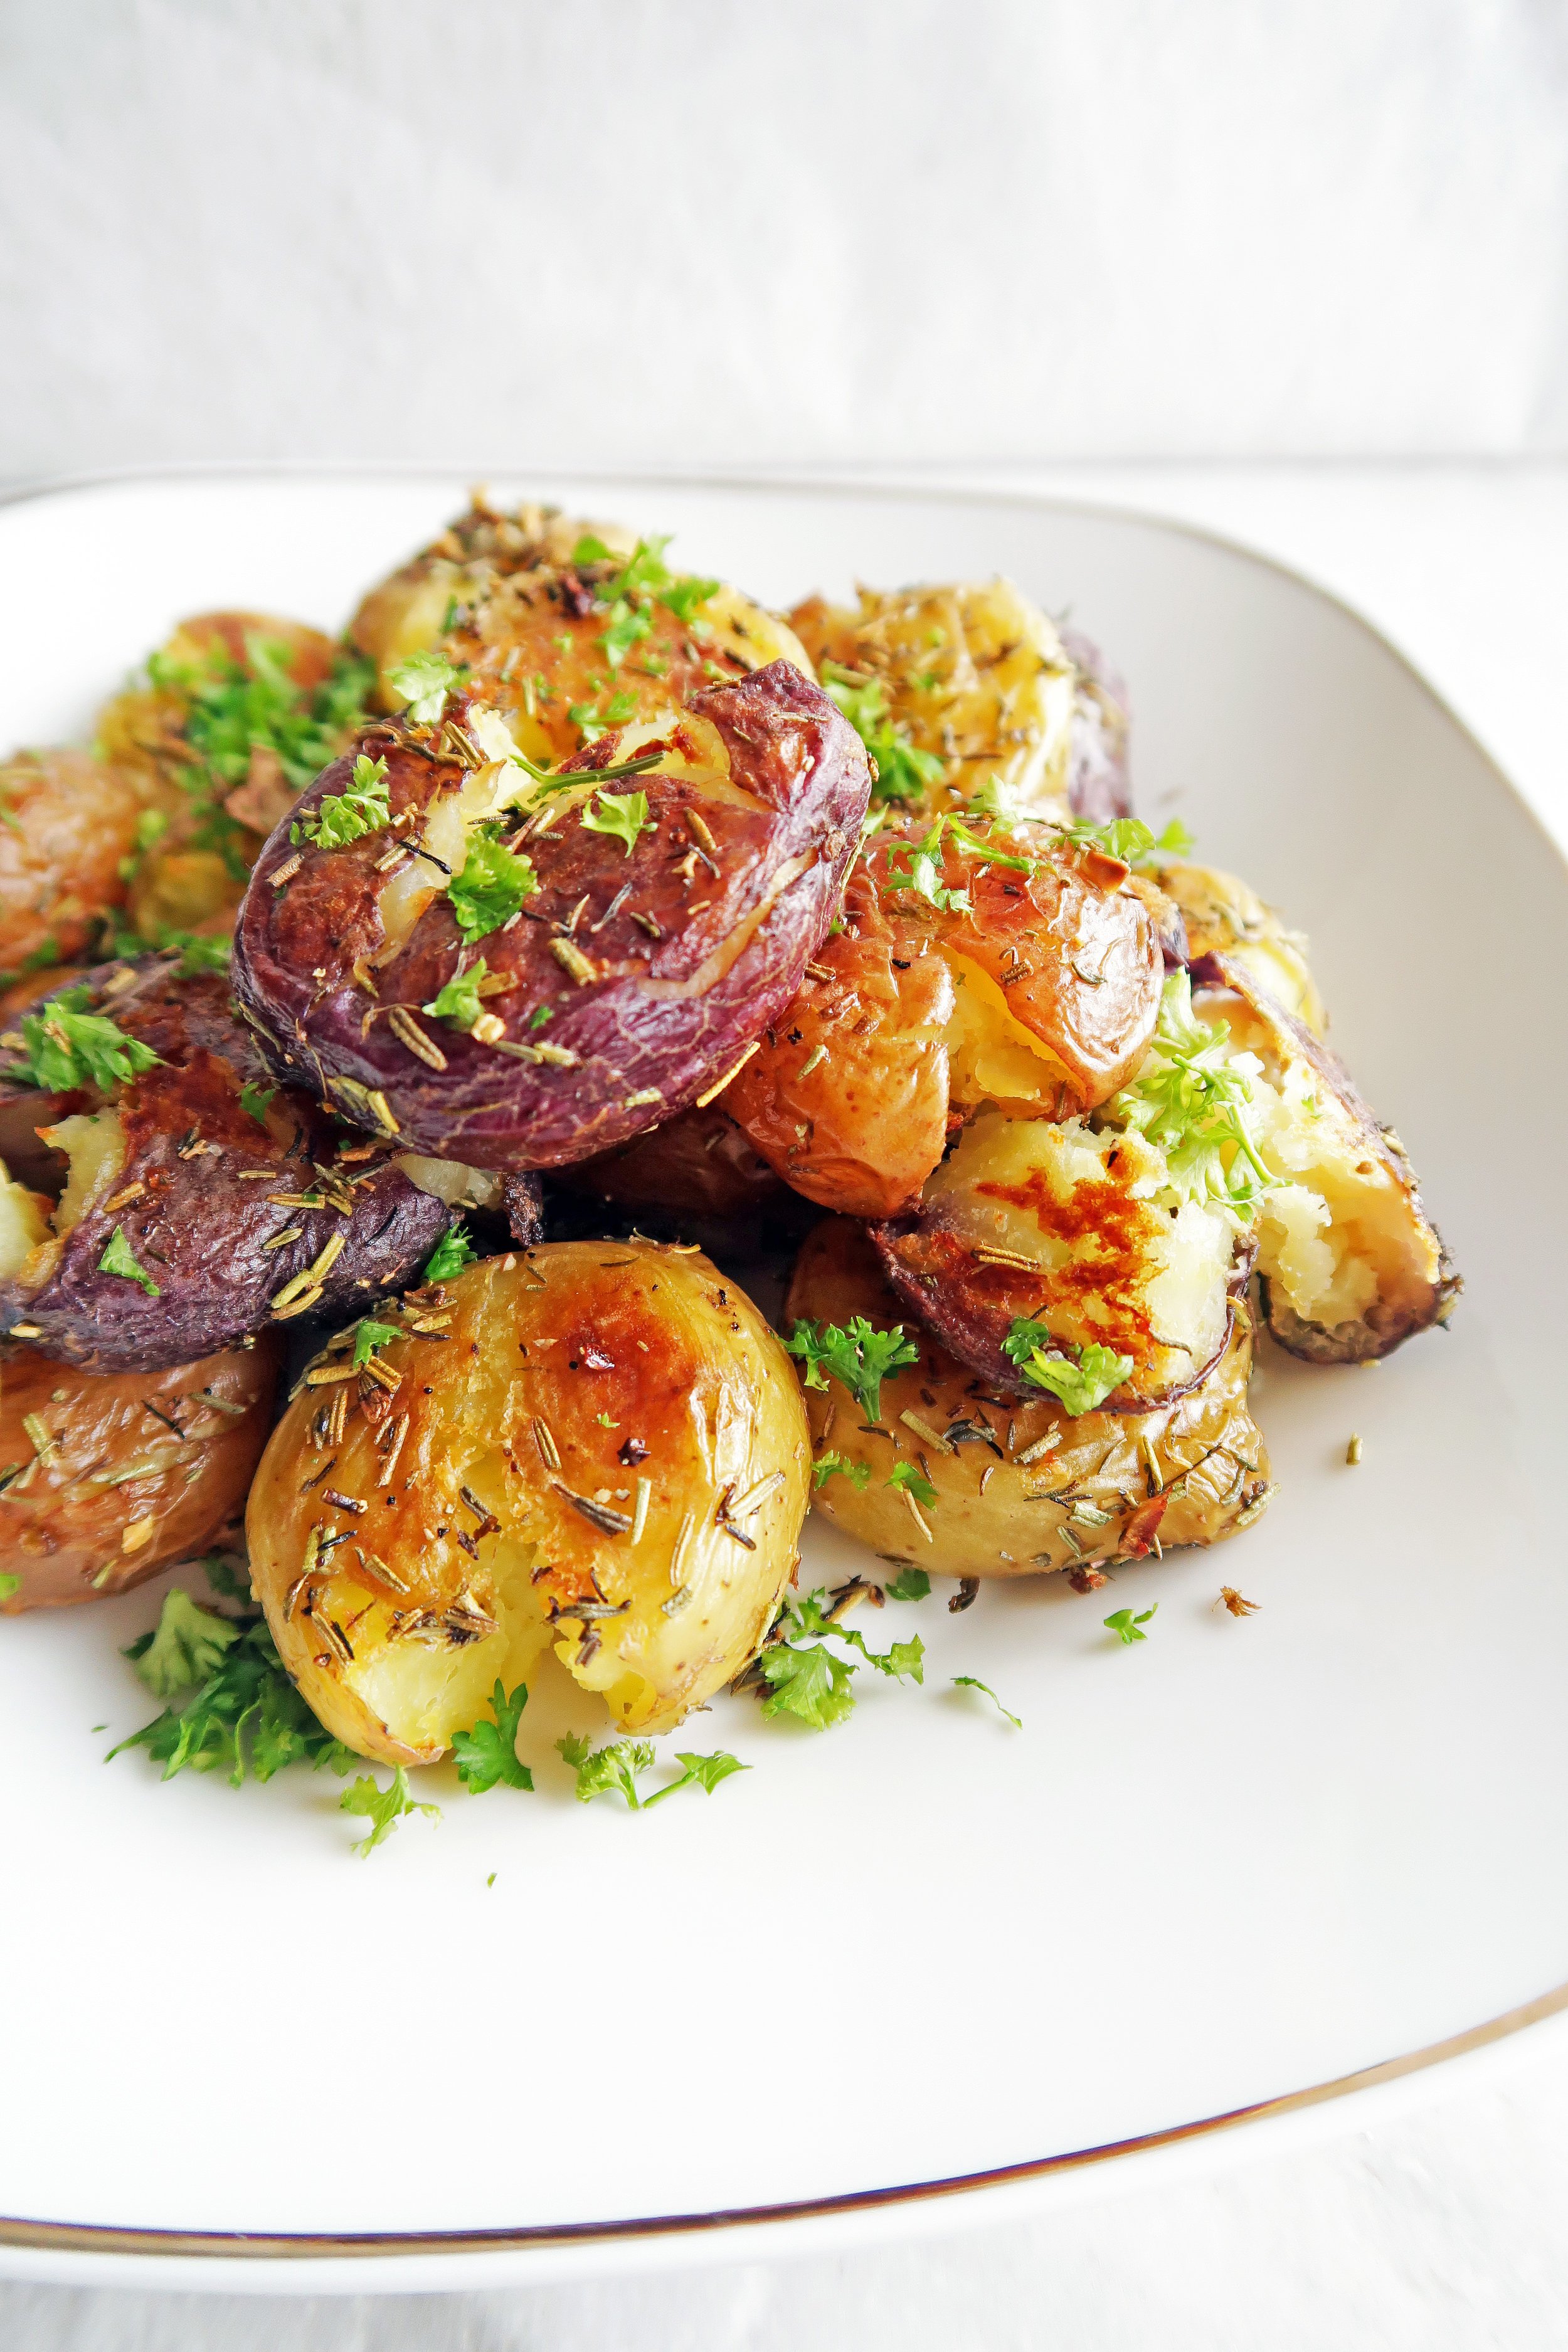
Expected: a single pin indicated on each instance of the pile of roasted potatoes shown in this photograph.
(370, 1003)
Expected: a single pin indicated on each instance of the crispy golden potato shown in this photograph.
(67, 823)
(107, 1476)
(1223, 916)
(1350, 1264)
(597, 1450)
(1040, 993)
(1081, 1231)
(1021, 1486)
(553, 643)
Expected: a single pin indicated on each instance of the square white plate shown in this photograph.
(1239, 1860)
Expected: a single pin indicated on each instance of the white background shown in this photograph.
(986, 235)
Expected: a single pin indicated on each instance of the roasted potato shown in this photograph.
(597, 1450)
(1037, 991)
(562, 641)
(239, 712)
(698, 1164)
(199, 1202)
(107, 1476)
(957, 689)
(1350, 1264)
(68, 825)
(1081, 1231)
(1222, 915)
(648, 936)
(1020, 1486)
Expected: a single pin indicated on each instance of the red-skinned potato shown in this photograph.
(1040, 994)
(221, 1208)
(633, 977)
(1350, 1263)
(1058, 1225)
(67, 823)
(107, 1476)
(597, 1452)
(1021, 1486)
(698, 1164)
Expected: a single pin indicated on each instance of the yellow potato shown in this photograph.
(597, 1450)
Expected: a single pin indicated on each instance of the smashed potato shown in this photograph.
(596, 1451)
(698, 1164)
(107, 1476)
(1224, 915)
(68, 825)
(1020, 1487)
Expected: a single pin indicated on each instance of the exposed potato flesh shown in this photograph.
(1351, 1264)
(596, 1451)
(107, 1476)
(1039, 996)
(1021, 1487)
(1224, 915)
(67, 823)
(1079, 1231)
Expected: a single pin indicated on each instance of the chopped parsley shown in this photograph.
(65, 1048)
(627, 627)
(369, 1336)
(592, 724)
(921, 871)
(909, 1584)
(382, 1808)
(813, 1683)
(857, 1355)
(1079, 1386)
(459, 1001)
(909, 1481)
(832, 1466)
(1130, 840)
(902, 772)
(623, 815)
(360, 808)
(1191, 1099)
(492, 888)
(246, 1716)
(486, 1756)
(1128, 1628)
(254, 1098)
(426, 680)
(120, 1258)
(187, 1645)
(973, 1681)
(198, 955)
(644, 574)
(615, 1771)
(10, 1584)
(540, 1015)
(451, 1253)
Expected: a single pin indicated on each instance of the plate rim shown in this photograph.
(97, 2244)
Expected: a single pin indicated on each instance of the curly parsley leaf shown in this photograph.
(833, 1466)
(909, 1584)
(492, 888)
(922, 873)
(1128, 1628)
(360, 808)
(1079, 1381)
(382, 1808)
(902, 772)
(235, 709)
(424, 680)
(459, 1001)
(246, 1717)
(486, 1755)
(187, 1645)
(369, 1337)
(120, 1258)
(1130, 840)
(255, 1098)
(812, 1685)
(1192, 1098)
(623, 815)
(606, 1771)
(64, 1047)
(973, 1681)
(451, 1253)
(906, 1476)
(857, 1354)
(698, 1773)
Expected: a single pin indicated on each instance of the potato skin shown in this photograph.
(197, 1230)
(854, 1093)
(1223, 915)
(67, 823)
(69, 1540)
(995, 1513)
(503, 1376)
(1099, 786)
(698, 1164)
(650, 1023)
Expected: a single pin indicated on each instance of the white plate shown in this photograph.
(1240, 1861)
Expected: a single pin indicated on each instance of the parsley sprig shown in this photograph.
(360, 808)
(451, 1253)
(1130, 840)
(1192, 1099)
(623, 815)
(382, 1807)
(486, 1755)
(1080, 1379)
(857, 1355)
(814, 1684)
(492, 888)
(246, 1716)
(426, 680)
(615, 1771)
(65, 1048)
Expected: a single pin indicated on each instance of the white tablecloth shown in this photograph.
(1440, 2229)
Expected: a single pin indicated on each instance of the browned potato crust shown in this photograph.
(1021, 1486)
(67, 822)
(1224, 915)
(107, 1476)
(698, 1164)
(1042, 995)
(597, 1450)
